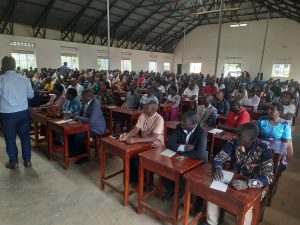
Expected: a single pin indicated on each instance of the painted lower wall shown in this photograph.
(243, 45)
(48, 51)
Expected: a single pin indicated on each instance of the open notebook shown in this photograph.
(223, 184)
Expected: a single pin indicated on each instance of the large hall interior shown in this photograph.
(149, 112)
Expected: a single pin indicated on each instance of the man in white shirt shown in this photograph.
(77, 86)
(240, 93)
(191, 92)
(289, 109)
(251, 99)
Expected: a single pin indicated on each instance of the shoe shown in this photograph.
(27, 164)
(81, 161)
(11, 166)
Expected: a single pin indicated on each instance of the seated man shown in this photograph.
(149, 129)
(189, 138)
(191, 92)
(148, 96)
(240, 93)
(132, 99)
(250, 159)
(77, 86)
(222, 104)
(251, 99)
(237, 116)
(289, 109)
(207, 113)
(91, 113)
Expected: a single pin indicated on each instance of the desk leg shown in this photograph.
(126, 163)
(176, 201)
(141, 187)
(102, 172)
(241, 218)
(187, 204)
(110, 123)
(256, 211)
(66, 143)
(88, 144)
(50, 135)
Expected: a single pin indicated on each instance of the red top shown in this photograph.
(236, 119)
(210, 90)
(140, 80)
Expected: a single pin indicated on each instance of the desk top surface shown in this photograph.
(202, 177)
(123, 146)
(180, 166)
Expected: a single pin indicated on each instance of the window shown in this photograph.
(232, 69)
(195, 67)
(24, 59)
(102, 63)
(71, 60)
(125, 64)
(167, 66)
(281, 70)
(153, 66)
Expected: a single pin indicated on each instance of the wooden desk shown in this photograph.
(171, 126)
(169, 168)
(236, 202)
(67, 129)
(165, 108)
(191, 103)
(125, 152)
(125, 114)
(221, 119)
(255, 115)
(107, 113)
(40, 117)
(218, 142)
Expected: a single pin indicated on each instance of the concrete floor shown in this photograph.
(46, 195)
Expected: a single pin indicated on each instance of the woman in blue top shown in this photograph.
(72, 104)
(273, 127)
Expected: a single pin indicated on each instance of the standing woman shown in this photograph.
(14, 114)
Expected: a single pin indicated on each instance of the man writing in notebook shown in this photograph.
(250, 159)
(149, 129)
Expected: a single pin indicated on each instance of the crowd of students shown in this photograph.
(81, 94)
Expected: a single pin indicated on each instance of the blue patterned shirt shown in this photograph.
(257, 163)
(72, 106)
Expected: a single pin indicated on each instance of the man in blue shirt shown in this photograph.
(64, 70)
(14, 114)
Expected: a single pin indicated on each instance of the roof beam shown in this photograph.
(281, 10)
(128, 34)
(119, 23)
(144, 36)
(39, 27)
(68, 31)
(7, 18)
(92, 30)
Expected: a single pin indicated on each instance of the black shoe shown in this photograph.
(82, 161)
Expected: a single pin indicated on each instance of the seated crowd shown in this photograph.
(82, 94)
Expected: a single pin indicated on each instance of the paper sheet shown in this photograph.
(215, 131)
(168, 153)
(63, 121)
(223, 184)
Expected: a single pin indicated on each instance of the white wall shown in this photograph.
(48, 51)
(244, 43)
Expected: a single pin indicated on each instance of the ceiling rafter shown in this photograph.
(7, 18)
(128, 34)
(67, 33)
(92, 30)
(39, 27)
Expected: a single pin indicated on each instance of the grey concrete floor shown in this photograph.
(46, 195)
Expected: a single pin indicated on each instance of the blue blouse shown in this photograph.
(72, 106)
(281, 131)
